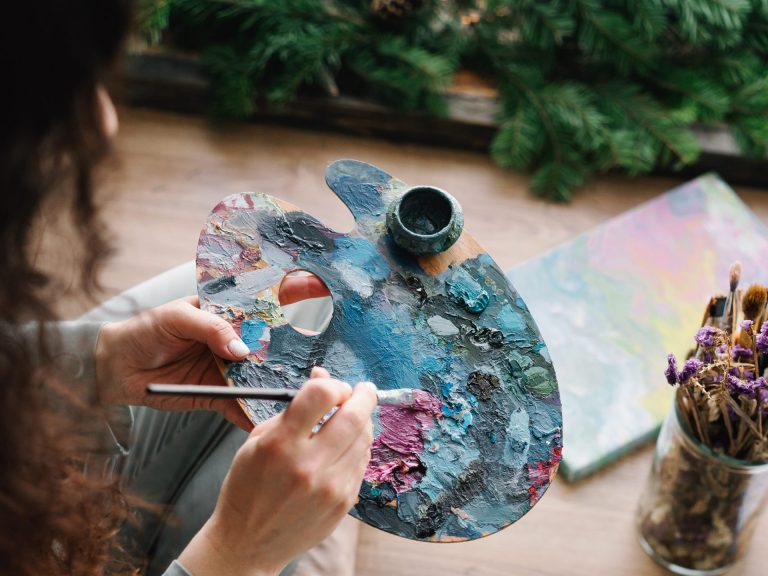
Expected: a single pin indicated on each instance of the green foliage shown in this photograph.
(585, 86)
(153, 18)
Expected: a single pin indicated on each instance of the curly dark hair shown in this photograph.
(54, 54)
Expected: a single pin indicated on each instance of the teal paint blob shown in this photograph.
(467, 291)
(251, 331)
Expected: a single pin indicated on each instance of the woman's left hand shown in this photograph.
(173, 344)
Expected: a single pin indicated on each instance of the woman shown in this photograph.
(60, 383)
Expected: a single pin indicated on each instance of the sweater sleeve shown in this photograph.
(71, 348)
(176, 569)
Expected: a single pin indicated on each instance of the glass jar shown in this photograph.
(699, 508)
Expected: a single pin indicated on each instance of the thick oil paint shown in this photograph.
(484, 442)
(396, 454)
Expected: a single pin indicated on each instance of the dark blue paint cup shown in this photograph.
(425, 220)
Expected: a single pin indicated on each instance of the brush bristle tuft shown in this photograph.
(735, 275)
(754, 301)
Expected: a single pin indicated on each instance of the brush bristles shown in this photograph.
(735, 274)
(754, 301)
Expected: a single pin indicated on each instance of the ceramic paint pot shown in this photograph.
(425, 220)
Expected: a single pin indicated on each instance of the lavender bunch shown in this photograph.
(721, 394)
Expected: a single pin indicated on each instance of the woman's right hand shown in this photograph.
(288, 487)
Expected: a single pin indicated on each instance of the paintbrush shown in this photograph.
(713, 316)
(753, 306)
(732, 301)
(716, 312)
(400, 397)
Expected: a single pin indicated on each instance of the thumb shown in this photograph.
(191, 323)
(319, 372)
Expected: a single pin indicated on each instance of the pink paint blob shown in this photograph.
(396, 450)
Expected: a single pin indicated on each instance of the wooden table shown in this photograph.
(171, 170)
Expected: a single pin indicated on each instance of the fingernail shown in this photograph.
(371, 386)
(238, 348)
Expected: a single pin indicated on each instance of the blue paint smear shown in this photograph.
(467, 291)
(510, 321)
(385, 351)
(361, 253)
(432, 364)
(251, 331)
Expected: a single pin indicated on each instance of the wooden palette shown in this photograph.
(481, 455)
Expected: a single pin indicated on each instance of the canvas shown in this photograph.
(613, 302)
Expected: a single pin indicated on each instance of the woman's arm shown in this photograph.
(67, 352)
(288, 487)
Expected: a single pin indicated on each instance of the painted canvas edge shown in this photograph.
(573, 473)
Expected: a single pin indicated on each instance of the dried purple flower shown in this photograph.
(761, 389)
(740, 353)
(671, 371)
(738, 387)
(762, 339)
(747, 325)
(706, 336)
(721, 351)
(690, 369)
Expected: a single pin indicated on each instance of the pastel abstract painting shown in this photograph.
(482, 442)
(613, 302)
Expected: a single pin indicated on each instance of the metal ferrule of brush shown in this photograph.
(400, 397)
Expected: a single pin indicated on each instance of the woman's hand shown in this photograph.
(173, 344)
(288, 488)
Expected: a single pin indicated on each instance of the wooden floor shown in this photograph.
(173, 169)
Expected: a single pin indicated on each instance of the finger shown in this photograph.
(319, 372)
(268, 425)
(190, 323)
(353, 463)
(297, 288)
(351, 421)
(352, 466)
(313, 401)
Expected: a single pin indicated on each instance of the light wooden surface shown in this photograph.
(171, 170)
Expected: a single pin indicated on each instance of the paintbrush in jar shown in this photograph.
(732, 301)
(753, 307)
(714, 315)
(714, 311)
(399, 397)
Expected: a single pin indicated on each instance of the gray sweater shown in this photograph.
(72, 346)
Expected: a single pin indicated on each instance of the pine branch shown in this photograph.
(649, 17)
(584, 85)
(152, 18)
(716, 22)
(519, 139)
(675, 144)
(557, 180)
(610, 37)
